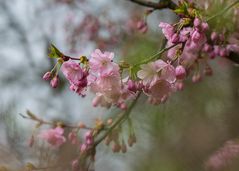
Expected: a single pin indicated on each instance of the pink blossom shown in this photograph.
(47, 76)
(150, 73)
(159, 92)
(184, 34)
(102, 63)
(104, 79)
(167, 30)
(89, 139)
(72, 71)
(142, 26)
(233, 48)
(73, 137)
(179, 85)
(197, 22)
(214, 36)
(180, 72)
(204, 26)
(54, 136)
(55, 81)
(75, 75)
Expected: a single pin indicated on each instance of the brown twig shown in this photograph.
(43, 122)
(160, 5)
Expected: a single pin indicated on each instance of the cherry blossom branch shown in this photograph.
(118, 121)
(43, 122)
(160, 5)
(223, 11)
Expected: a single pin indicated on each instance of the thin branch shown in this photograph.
(118, 121)
(41, 121)
(160, 5)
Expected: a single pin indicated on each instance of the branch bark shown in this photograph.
(160, 5)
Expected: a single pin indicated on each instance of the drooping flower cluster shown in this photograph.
(54, 136)
(157, 78)
(104, 78)
(76, 76)
(225, 156)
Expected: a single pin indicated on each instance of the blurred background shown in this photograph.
(179, 135)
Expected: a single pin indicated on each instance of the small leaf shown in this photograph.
(31, 115)
(54, 52)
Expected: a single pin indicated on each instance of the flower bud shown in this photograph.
(179, 85)
(204, 26)
(83, 148)
(75, 165)
(214, 36)
(96, 101)
(142, 26)
(47, 76)
(73, 137)
(207, 48)
(180, 72)
(123, 106)
(123, 147)
(197, 22)
(196, 78)
(196, 36)
(54, 82)
(116, 148)
(223, 52)
(132, 86)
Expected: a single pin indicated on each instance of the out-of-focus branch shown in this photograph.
(160, 5)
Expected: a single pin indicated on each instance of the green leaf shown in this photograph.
(54, 52)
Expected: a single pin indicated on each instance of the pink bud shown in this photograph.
(123, 106)
(214, 36)
(216, 50)
(197, 22)
(116, 148)
(142, 26)
(204, 26)
(54, 82)
(179, 86)
(222, 37)
(196, 36)
(83, 148)
(96, 101)
(196, 78)
(73, 137)
(75, 165)
(131, 86)
(47, 76)
(180, 72)
(223, 52)
(207, 48)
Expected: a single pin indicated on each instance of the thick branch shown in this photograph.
(160, 5)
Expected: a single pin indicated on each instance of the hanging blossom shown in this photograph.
(53, 136)
(158, 78)
(104, 80)
(76, 76)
